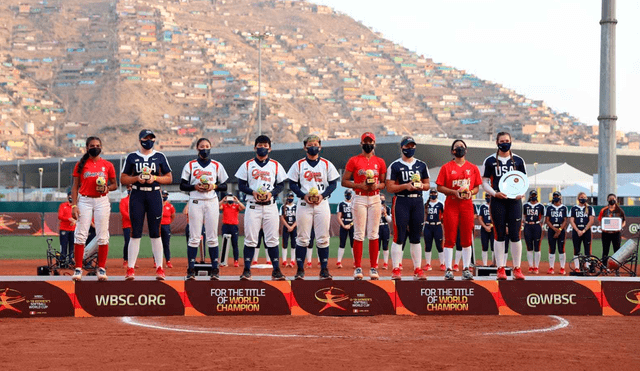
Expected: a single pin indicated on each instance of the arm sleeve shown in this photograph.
(278, 188)
(185, 186)
(295, 188)
(222, 187)
(486, 185)
(243, 186)
(332, 187)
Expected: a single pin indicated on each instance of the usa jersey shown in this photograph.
(156, 161)
(485, 213)
(383, 220)
(533, 213)
(213, 171)
(257, 176)
(309, 176)
(289, 213)
(402, 172)
(345, 209)
(556, 214)
(433, 212)
(581, 215)
(505, 165)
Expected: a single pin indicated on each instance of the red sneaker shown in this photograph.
(235, 263)
(536, 270)
(292, 263)
(396, 274)
(317, 264)
(428, 267)
(502, 275)
(124, 263)
(530, 269)
(577, 270)
(154, 264)
(339, 265)
(551, 271)
(269, 263)
(385, 266)
(443, 267)
(562, 271)
(418, 274)
(169, 265)
(456, 268)
(400, 266)
(517, 274)
(130, 274)
(160, 274)
(254, 262)
(309, 265)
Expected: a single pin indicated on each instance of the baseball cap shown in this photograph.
(406, 140)
(366, 135)
(290, 194)
(69, 193)
(533, 192)
(145, 133)
(165, 193)
(557, 193)
(347, 192)
(433, 191)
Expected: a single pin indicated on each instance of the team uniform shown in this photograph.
(346, 214)
(486, 238)
(67, 229)
(433, 214)
(288, 212)
(230, 222)
(459, 253)
(557, 216)
(126, 227)
(533, 215)
(581, 216)
(165, 231)
(385, 234)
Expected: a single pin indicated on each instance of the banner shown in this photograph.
(552, 297)
(343, 298)
(214, 298)
(36, 299)
(17, 224)
(621, 298)
(446, 297)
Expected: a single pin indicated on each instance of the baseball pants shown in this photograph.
(97, 208)
(165, 236)
(556, 242)
(66, 245)
(207, 212)
(265, 217)
(432, 233)
(141, 203)
(407, 212)
(232, 229)
(286, 236)
(344, 233)
(458, 216)
(584, 240)
(126, 232)
(533, 236)
(486, 239)
(384, 234)
(366, 217)
(317, 217)
(506, 213)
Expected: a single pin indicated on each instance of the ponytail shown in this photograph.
(85, 157)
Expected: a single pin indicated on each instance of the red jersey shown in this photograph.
(124, 212)
(230, 213)
(359, 164)
(64, 213)
(455, 177)
(167, 211)
(91, 171)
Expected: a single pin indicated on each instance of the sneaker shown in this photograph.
(236, 264)
(373, 274)
(502, 275)
(517, 274)
(254, 262)
(562, 271)
(160, 274)
(318, 264)
(130, 274)
(102, 274)
(385, 266)
(577, 270)
(269, 263)
(467, 275)
(396, 274)
(191, 275)
(246, 275)
(339, 265)
(277, 275)
(400, 266)
(308, 265)
(449, 275)
(456, 268)
(215, 274)
(169, 265)
(154, 265)
(299, 275)
(427, 267)
(325, 275)
(443, 267)
(536, 270)
(77, 275)
(292, 263)
(124, 263)
(357, 274)
(530, 269)
(418, 274)
(551, 271)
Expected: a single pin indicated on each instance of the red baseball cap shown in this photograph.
(368, 134)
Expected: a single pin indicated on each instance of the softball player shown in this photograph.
(67, 228)
(126, 225)
(408, 208)
(313, 179)
(145, 170)
(459, 180)
(168, 215)
(383, 231)
(486, 229)
(367, 170)
(93, 178)
(505, 212)
(262, 179)
(433, 214)
(289, 229)
(581, 217)
(533, 214)
(557, 219)
(345, 219)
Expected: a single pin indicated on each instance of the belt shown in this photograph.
(580, 226)
(384, 224)
(272, 201)
(433, 223)
(533, 223)
(410, 195)
(145, 189)
(92, 196)
(373, 193)
(556, 225)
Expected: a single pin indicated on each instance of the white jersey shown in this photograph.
(257, 176)
(309, 176)
(214, 172)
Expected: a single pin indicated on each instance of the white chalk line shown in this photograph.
(562, 323)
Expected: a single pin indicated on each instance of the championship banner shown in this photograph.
(127, 298)
(26, 224)
(36, 299)
(215, 298)
(343, 298)
(621, 298)
(552, 297)
(446, 297)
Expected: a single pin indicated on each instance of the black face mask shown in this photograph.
(533, 198)
(367, 148)
(348, 197)
(147, 144)
(612, 202)
(165, 198)
(582, 200)
(204, 153)
(94, 152)
(459, 152)
(70, 199)
(128, 191)
(382, 202)
(262, 151)
(488, 199)
(433, 197)
(504, 147)
(556, 200)
(313, 150)
(289, 200)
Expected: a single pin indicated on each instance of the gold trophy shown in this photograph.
(416, 180)
(101, 183)
(262, 194)
(464, 192)
(204, 180)
(313, 195)
(370, 176)
(146, 173)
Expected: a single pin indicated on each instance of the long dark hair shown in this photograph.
(85, 157)
(498, 151)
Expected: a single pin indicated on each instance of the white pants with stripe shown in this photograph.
(366, 217)
(317, 217)
(207, 212)
(265, 217)
(98, 209)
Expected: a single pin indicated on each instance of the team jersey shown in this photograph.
(156, 161)
(359, 165)
(261, 177)
(455, 177)
(581, 215)
(91, 171)
(124, 212)
(167, 211)
(556, 214)
(402, 172)
(533, 213)
(309, 176)
(347, 215)
(288, 211)
(485, 213)
(213, 171)
(64, 214)
(383, 220)
(505, 165)
(433, 211)
(230, 213)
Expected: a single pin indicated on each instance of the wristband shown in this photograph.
(72, 206)
(155, 178)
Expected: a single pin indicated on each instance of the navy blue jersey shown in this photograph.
(557, 214)
(345, 209)
(485, 213)
(533, 213)
(156, 161)
(581, 215)
(433, 212)
(403, 171)
(494, 172)
(288, 211)
(383, 220)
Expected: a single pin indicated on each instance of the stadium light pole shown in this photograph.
(60, 161)
(40, 170)
(260, 37)
(535, 179)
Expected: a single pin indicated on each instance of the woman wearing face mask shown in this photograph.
(433, 214)
(557, 220)
(459, 180)
(126, 225)
(486, 230)
(505, 212)
(67, 227)
(168, 215)
(289, 230)
(383, 232)
(533, 215)
(203, 178)
(612, 210)
(581, 217)
(345, 219)
(93, 178)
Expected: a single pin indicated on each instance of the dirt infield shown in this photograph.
(382, 342)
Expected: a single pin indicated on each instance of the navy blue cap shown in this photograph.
(557, 193)
(406, 140)
(145, 133)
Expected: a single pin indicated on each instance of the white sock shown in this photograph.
(536, 259)
(466, 257)
(309, 254)
(563, 260)
(516, 253)
(458, 257)
(352, 252)
(485, 257)
(134, 249)
(385, 256)
(255, 255)
(156, 249)
(340, 254)
(448, 257)
(530, 259)
(396, 254)
(427, 257)
(576, 263)
(416, 254)
(441, 257)
(552, 260)
(284, 255)
(498, 253)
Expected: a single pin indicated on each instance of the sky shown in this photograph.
(545, 50)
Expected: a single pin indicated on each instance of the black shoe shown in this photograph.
(299, 274)
(191, 275)
(215, 274)
(324, 274)
(277, 275)
(246, 275)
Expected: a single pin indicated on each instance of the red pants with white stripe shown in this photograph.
(458, 215)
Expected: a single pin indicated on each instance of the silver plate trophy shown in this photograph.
(514, 183)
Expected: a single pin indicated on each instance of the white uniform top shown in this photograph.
(257, 176)
(309, 176)
(214, 171)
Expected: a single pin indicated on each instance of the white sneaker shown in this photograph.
(373, 274)
(357, 274)
(77, 275)
(102, 274)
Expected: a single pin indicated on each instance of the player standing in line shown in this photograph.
(203, 178)
(93, 178)
(433, 214)
(581, 217)
(533, 216)
(407, 177)
(262, 179)
(126, 225)
(313, 179)
(345, 219)
(367, 170)
(459, 180)
(145, 169)
(168, 215)
(384, 232)
(289, 229)
(231, 208)
(557, 220)
(67, 228)
(505, 212)
(612, 210)
(486, 230)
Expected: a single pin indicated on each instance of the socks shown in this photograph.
(213, 254)
(441, 257)
(485, 257)
(340, 254)
(552, 260)
(284, 255)
(309, 254)
(563, 259)
(357, 253)
(458, 257)
(301, 251)
(156, 249)
(272, 253)
(498, 247)
(255, 255)
(134, 249)
(373, 253)
(427, 257)
(78, 251)
(576, 262)
(103, 252)
(323, 254)
(396, 255)
(536, 260)
(516, 253)
(385, 256)
(530, 259)
(248, 253)
(448, 256)
(192, 253)
(416, 254)
(466, 257)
